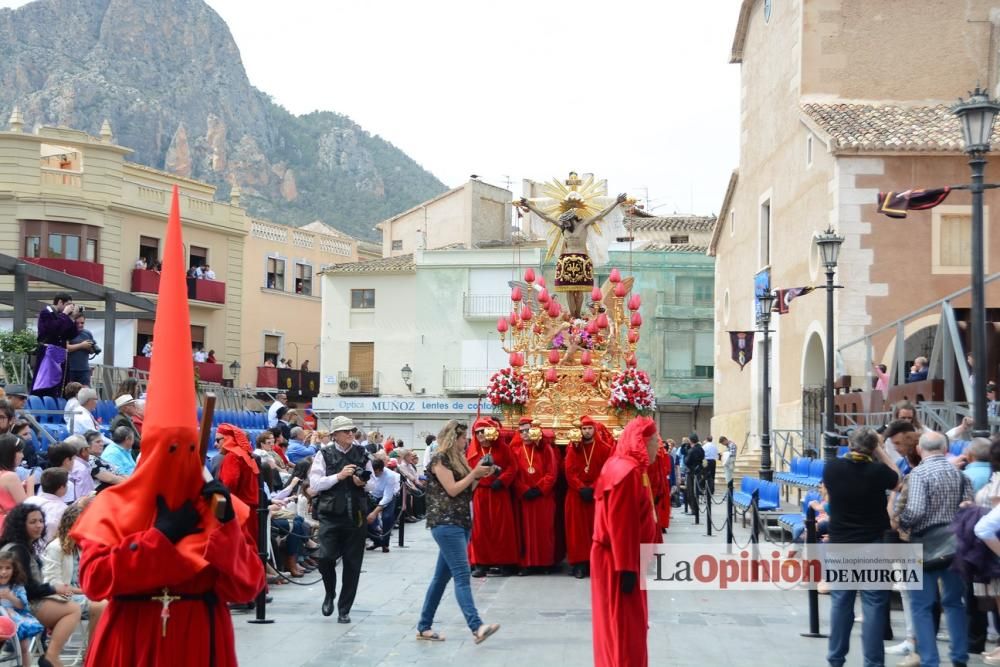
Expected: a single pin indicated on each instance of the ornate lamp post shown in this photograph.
(407, 374)
(829, 247)
(766, 302)
(977, 116)
(234, 370)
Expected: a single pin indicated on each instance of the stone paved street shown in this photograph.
(545, 621)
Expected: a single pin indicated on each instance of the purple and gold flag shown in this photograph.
(742, 343)
(896, 204)
(783, 297)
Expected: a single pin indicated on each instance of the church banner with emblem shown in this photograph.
(742, 344)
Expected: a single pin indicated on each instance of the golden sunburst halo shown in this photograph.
(573, 194)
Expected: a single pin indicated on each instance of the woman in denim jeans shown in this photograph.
(450, 483)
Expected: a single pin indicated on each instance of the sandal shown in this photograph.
(485, 631)
(432, 637)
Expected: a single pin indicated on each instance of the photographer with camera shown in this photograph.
(55, 329)
(338, 475)
(383, 489)
(81, 349)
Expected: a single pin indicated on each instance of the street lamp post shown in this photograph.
(766, 302)
(829, 246)
(977, 116)
(234, 370)
(407, 374)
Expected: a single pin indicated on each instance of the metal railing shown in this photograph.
(465, 380)
(358, 383)
(16, 369)
(486, 306)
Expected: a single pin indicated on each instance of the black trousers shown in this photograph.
(710, 475)
(347, 543)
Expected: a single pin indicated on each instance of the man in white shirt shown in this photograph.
(384, 487)
(83, 419)
(711, 457)
(147, 349)
(200, 355)
(207, 273)
(51, 500)
(337, 477)
(431, 442)
(280, 401)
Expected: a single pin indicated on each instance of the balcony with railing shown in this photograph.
(145, 281)
(682, 305)
(358, 383)
(685, 384)
(91, 271)
(61, 178)
(471, 381)
(486, 306)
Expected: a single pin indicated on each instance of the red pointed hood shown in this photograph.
(170, 464)
(630, 453)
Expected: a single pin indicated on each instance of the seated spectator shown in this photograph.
(62, 455)
(265, 451)
(822, 509)
(407, 468)
(16, 396)
(918, 371)
(12, 489)
(6, 416)
(128, 386)
(61, 566)
(14, 601)
(51, 500)
(72, 406)
(29, 466)
(84, 420)
(102, 473)
(935, 490)
(324, 439)
(140, 413)
(118, 454)
(127, 410)
(83, 483)
(856, 485)
(297, 449)
(22, 531)
(978, 467)
(281, 436)
(390, 444)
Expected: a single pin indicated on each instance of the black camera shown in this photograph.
(94, 349)
(363, 474)
(488, 461)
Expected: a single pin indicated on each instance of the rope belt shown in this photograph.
(166, 598)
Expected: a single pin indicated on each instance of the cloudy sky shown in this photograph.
(638, 92)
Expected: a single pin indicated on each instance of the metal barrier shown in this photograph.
(813, 593)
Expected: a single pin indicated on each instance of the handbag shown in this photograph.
(939, 546)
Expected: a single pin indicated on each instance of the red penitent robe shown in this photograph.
(659, 477)
(537, 467)
(583, 466)
(623, 520)
(494, 531)
(239, 473)
(130, 632)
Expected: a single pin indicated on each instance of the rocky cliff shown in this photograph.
(169, 77)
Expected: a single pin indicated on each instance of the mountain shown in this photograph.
(168, 75)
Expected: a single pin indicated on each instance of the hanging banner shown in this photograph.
(783, 297)
(742, 344)
(896, 204)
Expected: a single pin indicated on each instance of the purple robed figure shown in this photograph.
(55, 329)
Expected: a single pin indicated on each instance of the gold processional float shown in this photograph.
(565, 364)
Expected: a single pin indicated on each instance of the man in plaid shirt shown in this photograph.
(936, 487)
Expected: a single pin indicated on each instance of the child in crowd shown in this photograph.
(14, 600)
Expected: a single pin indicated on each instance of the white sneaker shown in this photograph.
(912, 660)
(903, 648)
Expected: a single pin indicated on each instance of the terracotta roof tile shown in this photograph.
(672, 223)
(884, 127)
(400, 264)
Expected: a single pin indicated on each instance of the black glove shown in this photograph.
(532, 493)
(628, 581)
(176, 524)
(217, 487)
(496, 485)
(587, 494)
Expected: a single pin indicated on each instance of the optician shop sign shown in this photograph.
(399, 405)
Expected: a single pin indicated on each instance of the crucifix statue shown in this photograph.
(574, 268)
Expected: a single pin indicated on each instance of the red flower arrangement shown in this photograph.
(507, 388)
(631, 390)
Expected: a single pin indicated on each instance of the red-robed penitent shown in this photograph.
(127, 561)
(240, 474)
(494, 539)
(623, 520)
(584, 461)
(537, 468)
(659, 475)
